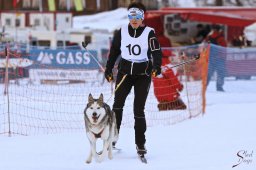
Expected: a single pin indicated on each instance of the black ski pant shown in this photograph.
(141, 84)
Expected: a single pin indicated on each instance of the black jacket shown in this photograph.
(115, 49)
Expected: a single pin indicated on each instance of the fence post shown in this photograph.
(6, 84)
(186, 82)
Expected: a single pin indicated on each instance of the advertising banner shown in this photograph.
(67, 74)
(63, 59)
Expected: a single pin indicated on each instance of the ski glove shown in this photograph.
(180, 88)
(109, 75)
(156, 71)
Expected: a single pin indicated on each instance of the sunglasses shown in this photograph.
(137, 17)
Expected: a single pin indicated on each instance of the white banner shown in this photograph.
(68, 74)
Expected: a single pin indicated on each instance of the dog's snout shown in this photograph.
(94, 114)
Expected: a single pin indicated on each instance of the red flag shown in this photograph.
(14, 3)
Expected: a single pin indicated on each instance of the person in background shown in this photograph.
(202, 32)
(167, 87)
(217, 60)
(240, 41)
(140, 60)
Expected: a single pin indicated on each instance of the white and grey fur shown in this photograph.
(100, 122)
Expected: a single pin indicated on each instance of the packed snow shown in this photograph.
(213, 141)
(208, 142)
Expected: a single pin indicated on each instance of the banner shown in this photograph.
(78, 5)
(65, 59)
(64, 74)
(240, 62)
(51, 5)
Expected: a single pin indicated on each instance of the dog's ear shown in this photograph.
(101, 99)
(90, 98)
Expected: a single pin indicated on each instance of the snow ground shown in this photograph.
(208, 142)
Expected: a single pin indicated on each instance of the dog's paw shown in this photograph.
(88, 161)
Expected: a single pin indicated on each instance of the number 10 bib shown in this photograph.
(134, 49)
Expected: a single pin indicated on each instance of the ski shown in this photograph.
(142, 158)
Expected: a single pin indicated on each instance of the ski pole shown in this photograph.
(85, 45)
(196, 57)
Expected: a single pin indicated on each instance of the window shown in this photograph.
(176, 25)
(8, 22)
(17, 22)
(169, 19)
(67, 19)
(37, 22)
(177, 17)
(44, 43)
(184, 30)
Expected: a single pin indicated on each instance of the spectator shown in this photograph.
(238, 41)
(217, 60)
(202, 32)
(167, 87)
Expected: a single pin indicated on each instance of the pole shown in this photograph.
(6, 92)
(185, 73)
(64, 41)
(186, 62)
(85, 45)
(16, 31)
(40, 5)
(16, 24)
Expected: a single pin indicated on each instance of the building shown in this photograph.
(81, 7)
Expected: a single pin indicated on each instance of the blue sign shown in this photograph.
(65, 59)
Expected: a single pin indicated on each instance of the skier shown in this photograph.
(138, 46)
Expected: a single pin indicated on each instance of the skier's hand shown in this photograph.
(156, 71)
(180, 88)
(109, 75)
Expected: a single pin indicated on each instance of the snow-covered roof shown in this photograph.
(110, 20)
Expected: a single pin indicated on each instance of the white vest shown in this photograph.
(134, 49)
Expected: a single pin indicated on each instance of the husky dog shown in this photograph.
(100, 122)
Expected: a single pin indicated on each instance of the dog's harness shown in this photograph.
(98, 135)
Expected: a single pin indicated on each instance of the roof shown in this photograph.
(108, 20)
(232, 16)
